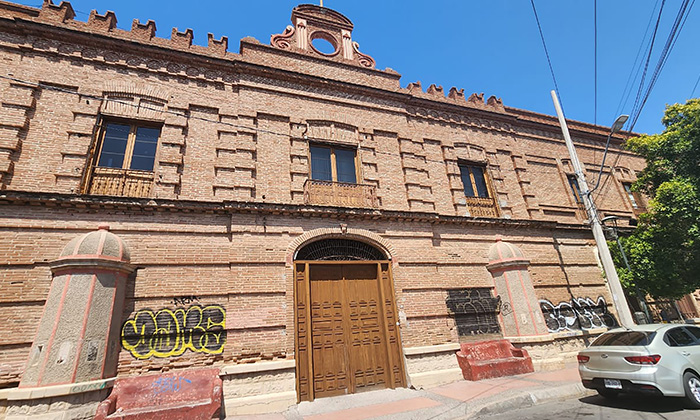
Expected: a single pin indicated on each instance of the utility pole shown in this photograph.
(623, 310)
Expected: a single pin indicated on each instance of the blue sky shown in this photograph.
(490, 46)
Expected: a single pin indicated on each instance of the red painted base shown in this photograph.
(191, 394)
(492, 359)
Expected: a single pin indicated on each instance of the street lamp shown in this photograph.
(613, 233)
(618, 295)
(617, 125)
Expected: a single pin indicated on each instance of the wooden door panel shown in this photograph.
(302, 339)
(329, 349)
(390, 317)
(354, 343)
(367, 350)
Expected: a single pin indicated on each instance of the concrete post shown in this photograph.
(520, 309)
(76, 348)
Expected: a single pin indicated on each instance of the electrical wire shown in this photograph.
(595, 64)
(676, 28)
(546, 51)
(637, 100)
(627, 91)
(694, 87)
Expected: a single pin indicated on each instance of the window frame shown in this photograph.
(334, 162)
(487, 179)
(575, 188)
(134, 125)
(633, 197)
(674, 343)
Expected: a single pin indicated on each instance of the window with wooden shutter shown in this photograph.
(124, 161)
(477, 190)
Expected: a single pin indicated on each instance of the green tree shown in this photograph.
(664, 249)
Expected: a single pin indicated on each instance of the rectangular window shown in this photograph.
(332, 164)
(573, 183)
(125, 146)
(474, 180)
(631, 194)
(126, 154)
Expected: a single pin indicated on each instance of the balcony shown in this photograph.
(120, 182)
(340, 194)
(482, 207)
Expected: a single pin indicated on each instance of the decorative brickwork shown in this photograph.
(227, 205)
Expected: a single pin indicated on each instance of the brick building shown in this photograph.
(292, 217)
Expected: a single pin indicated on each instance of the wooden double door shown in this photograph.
(347, 335)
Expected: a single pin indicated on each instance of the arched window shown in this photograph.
(339, 249)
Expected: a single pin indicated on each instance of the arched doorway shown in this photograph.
(347, 338)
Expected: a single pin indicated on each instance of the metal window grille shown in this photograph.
(475, 310)
(339, 249)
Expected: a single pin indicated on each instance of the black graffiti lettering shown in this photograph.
(170, 332)
(577, 314)
(184, 300)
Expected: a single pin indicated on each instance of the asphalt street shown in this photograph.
(598, 408)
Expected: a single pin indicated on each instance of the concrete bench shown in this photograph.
(193, 394)
(491, 359)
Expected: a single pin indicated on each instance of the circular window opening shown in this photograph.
(324, 43)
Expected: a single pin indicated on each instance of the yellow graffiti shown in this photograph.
(168, 333)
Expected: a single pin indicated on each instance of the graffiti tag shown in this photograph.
(172, 384)
(506, 309)
(168, 332)
(184, 300)
(577, 314)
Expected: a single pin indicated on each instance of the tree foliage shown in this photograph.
(664, 250)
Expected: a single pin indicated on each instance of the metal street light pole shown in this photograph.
(618, 295)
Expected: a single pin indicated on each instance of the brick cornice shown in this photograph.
(77, 202)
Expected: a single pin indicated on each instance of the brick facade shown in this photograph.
(228, 203)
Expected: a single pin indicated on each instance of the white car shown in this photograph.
(653, 359)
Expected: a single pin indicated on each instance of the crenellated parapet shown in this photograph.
(455, 96)
(56, 13)
(62, 14)
(311, 22)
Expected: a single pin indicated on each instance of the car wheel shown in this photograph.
(691, 383)
(609, 394)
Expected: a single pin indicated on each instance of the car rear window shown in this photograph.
(625, 338)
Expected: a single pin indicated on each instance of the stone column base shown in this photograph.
(59, 402)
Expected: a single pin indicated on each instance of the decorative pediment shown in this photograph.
(311, 23)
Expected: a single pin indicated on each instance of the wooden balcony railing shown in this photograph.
(121, 182)
(482, 207)
(341, 194)
(581, 212)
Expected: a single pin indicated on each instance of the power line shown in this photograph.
(595, 63)
(627, 91)
(694, 87)
(676, 28)
(544, 44)
(637, 99)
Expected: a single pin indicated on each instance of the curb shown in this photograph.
(498, 405)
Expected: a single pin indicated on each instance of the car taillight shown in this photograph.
(583, 359)
(644, 360)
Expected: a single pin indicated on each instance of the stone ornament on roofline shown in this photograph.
(311, 22)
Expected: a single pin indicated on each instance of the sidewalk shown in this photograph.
(458, 400)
